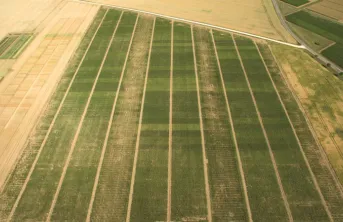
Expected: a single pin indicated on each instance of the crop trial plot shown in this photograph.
(13, 44)
(157, 120)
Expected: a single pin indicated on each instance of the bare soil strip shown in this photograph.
(133, 176)
(80, 125)
(313, 132)
(244, 185)
(108, 130)
(283, 194)
(204, 157)
(170, 142)
(51, 125)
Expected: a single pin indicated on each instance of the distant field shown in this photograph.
(156, 120)
(296, 2)
(328, 29)
(330, 8)
(11, 45)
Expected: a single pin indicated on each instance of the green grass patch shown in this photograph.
(296, 2)
(286, 9)
(295, 176)
(315, 41)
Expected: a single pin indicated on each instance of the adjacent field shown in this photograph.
(296, 2)
(11, 45)
(328, 29)
(156, 120)
(330, 8)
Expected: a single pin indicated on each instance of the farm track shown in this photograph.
(185, 154)
(170, 133)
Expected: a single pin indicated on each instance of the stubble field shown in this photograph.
(156, 120)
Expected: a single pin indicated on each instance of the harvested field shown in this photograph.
(156, 120)
(257, 17)
(330, 8)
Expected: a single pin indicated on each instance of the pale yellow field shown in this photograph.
(330, 8)
(25, 91)
(252, 16)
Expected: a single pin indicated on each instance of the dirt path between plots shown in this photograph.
(133, 176)
(244, 185)
(66, 165)
(170, 139)
(269, 147)
(204, 156)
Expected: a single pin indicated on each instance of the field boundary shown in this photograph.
(170, 141)
(133, 175)
(204, 157)
(90, 207)
(309, 124)
(76, 136)
(193, 22)
(271, 153)
(51, 125)
(244, 185)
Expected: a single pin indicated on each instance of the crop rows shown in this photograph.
(157, 120)
(150, 191)
(329, 187)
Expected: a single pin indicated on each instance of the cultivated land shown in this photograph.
(330, 8)
(324, 27)
(13, 44)
(296, 2)
(24, 92)
(253, 16)
(157, 120)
